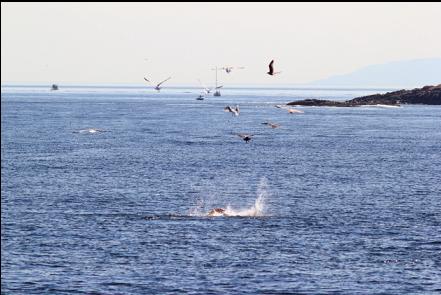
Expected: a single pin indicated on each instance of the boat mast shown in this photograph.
(216, 77)
(216, 92)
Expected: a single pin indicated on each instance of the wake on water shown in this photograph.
(256, 210)
(380, 106)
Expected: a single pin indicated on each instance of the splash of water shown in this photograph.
(257, 209)
(197, 209)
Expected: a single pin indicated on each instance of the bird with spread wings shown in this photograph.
(157, 86)
(271, 69)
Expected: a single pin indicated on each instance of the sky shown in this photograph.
(124, 42)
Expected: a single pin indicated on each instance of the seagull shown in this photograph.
(271, 69)
(157, 87)
(234, 111)
(291, 111)
(295, 111)
(230, 69)
(272, 125)
(246, 137)
(206, 89)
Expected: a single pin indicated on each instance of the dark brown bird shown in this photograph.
(271, 69)
(246, 137)
(234, 111)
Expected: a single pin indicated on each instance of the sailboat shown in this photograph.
(217, 91)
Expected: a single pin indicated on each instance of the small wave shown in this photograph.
(167, 217)
(381, 106)
(184, 104)
(90, 131)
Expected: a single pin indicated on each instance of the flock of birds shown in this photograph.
(207, 90)
(235, 111)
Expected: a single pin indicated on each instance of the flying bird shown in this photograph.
(206, 89)
(158, 86)
(291, 111)
(230, 69)
(234, 111)
(272, 125)
(271, 69)
(246, 137)
(295, 111)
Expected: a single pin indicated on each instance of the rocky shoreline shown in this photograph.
(428, 95)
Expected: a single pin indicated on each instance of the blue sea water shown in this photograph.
(334, 201)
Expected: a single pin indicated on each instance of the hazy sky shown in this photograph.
(123, 42)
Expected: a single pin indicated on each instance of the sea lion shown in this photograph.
(216, 212)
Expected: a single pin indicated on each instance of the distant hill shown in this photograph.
(430, 95)
(407, 74)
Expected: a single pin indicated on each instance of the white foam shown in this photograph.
(258, 208)
(381, 106)
(255, 210)
(90, 130)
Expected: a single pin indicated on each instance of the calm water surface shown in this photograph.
(349, 198)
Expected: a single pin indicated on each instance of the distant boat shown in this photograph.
(217, 92)
(200, 97)
(54, 87)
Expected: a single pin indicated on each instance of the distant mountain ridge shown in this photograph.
(407, 74)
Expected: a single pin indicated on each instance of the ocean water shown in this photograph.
(334, 201)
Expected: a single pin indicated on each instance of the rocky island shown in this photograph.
(428, 95)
